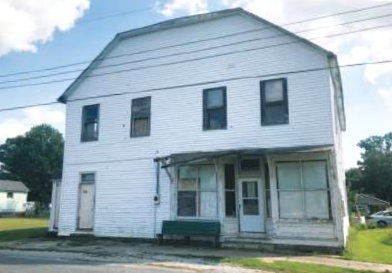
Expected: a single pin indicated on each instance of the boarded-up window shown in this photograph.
(90, 123)
(141, 117)
(274, 102)
(214, 108)
(303, 190)
(230, 198)
(197, 192)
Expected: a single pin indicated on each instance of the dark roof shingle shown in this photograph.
(13, 186)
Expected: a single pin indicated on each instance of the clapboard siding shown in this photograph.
(124, 167)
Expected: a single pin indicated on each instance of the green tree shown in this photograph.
(376, 166)
(34, 158)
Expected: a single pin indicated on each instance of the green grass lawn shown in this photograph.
(22, 228)
(288, 267)
(370, 245)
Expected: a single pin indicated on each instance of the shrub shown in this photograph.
(366, 226)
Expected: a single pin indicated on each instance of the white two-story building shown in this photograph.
(220, 117)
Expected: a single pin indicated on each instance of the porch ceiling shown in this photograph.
(185, 158)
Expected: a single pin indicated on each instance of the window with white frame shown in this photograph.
(303, 190)
(197, 192)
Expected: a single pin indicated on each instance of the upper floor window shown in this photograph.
(274, 102)
(141, 117)
(214, 108)
(10, 195)
(90, 122)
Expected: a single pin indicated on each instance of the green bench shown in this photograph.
(190, 228)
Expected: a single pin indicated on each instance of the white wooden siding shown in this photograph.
(125, 172)
(13, 205)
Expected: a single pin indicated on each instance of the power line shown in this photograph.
(204, 83)
(194, 59)
(339, 13)
(115, 15)
(192, 42)
(196, 51)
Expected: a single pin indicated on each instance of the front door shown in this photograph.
(251, 206)
(86, 207)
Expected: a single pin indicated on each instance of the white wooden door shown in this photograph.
(86, 206)
(251, 206)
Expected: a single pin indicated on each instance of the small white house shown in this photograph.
(216, 118)
(13, 197)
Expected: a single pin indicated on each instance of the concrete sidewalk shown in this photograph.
(120, 251)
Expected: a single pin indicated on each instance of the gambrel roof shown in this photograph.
(12, 186)
(200, 18)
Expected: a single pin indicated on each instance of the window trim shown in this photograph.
(133, 118)
(303, 191)
(205, 109)
(264, 104)
(83, 133)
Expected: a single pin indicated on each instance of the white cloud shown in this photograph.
(189, 6)
(30, 117)
(24, 23)
(359, 47)
(386, 95)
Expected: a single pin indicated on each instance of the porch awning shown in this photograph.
(179, 159)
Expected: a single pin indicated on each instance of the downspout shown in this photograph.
(157, 194)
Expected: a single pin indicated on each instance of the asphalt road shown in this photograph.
(36, 262)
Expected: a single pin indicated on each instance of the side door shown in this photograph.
(86, 206)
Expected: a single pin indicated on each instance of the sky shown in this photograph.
(43, 34)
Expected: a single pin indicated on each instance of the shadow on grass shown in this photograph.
(20, 234)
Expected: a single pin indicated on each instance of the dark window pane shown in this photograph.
(214, 108)
(249, 189)
(249, 165)
(141, 116)
(186, 203)
(216, 119)
(10, 195)
(275, 114)
(140, 126)
(141, 107)
(215, 98)
(91, 130)
(268, 197)
(229, 177)
(88, 177)
(251, 206)
(267, 177)
(90, 122)
(274, 105)
(91, 112)
(230, 203)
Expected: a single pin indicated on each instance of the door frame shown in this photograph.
(262, 205)
(79, 196)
